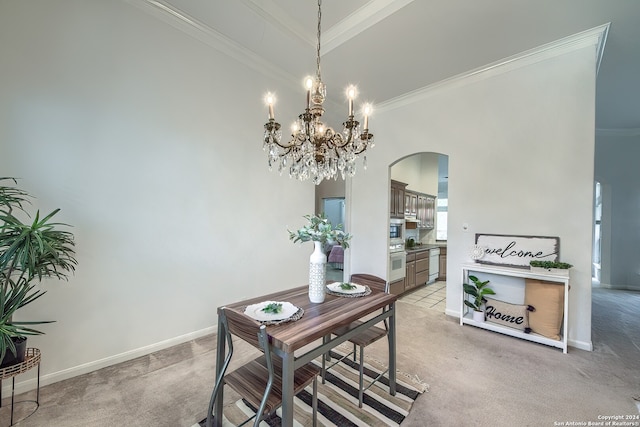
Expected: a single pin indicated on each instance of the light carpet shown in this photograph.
(338, 398)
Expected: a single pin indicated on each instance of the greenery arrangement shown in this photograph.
(273, 308)
(28, 251)
(319, 229)
(478, 290)
(550, 264)
(347, 286)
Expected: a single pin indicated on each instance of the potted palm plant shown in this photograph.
(29, 252)
(477, 290)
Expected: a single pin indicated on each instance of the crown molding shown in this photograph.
(209, 36)
(366, 16)
(279, 18)
(593, 37)
(363, 18)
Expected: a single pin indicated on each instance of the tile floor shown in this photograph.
(431, 296)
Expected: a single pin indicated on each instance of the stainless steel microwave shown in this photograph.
(396, 230)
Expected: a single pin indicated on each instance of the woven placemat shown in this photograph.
(295, 316)
(367, 291)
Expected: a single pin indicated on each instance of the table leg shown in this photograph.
(392, 349)
(220, 355)
(288, 370)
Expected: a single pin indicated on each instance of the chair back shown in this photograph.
(374, 282)
(253, 332)
(243, 327)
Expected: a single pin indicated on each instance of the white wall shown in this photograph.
(145, 139)
(617, 170)
(139, 133)
(520, 141)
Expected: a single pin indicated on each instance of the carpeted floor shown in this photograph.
(338, 398)
(476, 377)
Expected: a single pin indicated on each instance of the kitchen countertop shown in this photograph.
(420, 248)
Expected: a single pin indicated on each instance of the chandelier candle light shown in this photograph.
(315, 150)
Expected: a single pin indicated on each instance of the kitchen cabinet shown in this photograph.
(430, 217)
(397, 199)
(397, 287)
(422, 268)
(417, 269)
(426, 211)
(410, 204)
(410, 278)
(442, 273)
(422, 207)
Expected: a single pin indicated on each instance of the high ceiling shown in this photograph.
(392, 47)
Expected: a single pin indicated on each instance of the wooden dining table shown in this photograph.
(291, 340)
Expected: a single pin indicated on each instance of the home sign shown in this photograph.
(516, 251)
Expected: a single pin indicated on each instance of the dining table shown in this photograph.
(300, 341)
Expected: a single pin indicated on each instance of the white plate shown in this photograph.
(255, 311)
(335, 287)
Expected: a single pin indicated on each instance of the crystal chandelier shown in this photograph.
(315, 150)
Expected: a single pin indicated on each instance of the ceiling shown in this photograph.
(393, 47)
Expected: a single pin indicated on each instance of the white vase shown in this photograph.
(317, 273)
(478, 316)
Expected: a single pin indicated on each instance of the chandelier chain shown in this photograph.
(318, 47)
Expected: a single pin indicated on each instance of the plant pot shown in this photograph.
(317, 274)
(478, 316)
(21, 351)
(559, 271)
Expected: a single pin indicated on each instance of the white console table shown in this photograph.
(476, 269)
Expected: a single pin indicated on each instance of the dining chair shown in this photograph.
(365, 338)
(259, 381)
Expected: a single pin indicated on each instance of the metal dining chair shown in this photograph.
(364, 339)
(260, 380)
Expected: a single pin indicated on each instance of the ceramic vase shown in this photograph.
(478, 316)
(317, 273)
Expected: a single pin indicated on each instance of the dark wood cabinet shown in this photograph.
(410, 278)
(429, 219)
(442, 272)
(417, 269)
(397, 287)
(422, 207)
(397, 199)
(410, 204)
(422, 268)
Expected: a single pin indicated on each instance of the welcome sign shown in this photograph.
(517, 251)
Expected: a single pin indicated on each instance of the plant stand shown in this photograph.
(31, 360)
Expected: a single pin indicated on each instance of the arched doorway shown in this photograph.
(426, 177)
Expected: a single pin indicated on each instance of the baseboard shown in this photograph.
(452, 313)
(581, 345)
(31, 384)
(619, 287)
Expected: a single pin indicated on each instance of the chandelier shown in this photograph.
(315, 150)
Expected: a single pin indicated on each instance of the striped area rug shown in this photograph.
(338, 399)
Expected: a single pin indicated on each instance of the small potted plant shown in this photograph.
(550, 266)
(29, 252)
(477, 290)
(319, 231)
